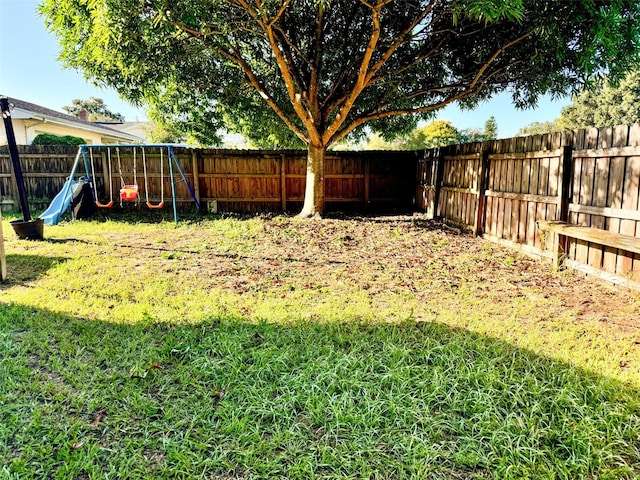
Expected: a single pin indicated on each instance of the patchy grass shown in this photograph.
(268, 347)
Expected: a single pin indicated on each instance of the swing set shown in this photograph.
(130, 192)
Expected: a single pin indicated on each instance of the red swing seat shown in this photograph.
(129, 193)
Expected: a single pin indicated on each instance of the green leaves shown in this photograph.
(278, 71)
(605, 105)
(487, 11)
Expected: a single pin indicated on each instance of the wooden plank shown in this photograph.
(585, 197)
(516, 203)
(233, 175)
(196, 173)
(38, 175)
(629, 151)
(629, 202)
(467, 156)
(526, 155)
(292, 199)
(37, 156)
(614, 202)
(532, 201)
(526, 197)
(283, 182)
(623, 281)
(600, 190)
(367, 181)
(482, 178)
(3, 257)
(438, 183)
(524, 248)
(595, 235)
(612, 213)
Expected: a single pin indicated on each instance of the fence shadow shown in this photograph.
(27, 268)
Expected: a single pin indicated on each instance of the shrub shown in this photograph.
(49, 139)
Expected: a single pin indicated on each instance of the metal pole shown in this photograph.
(13, 151)
(173, 184)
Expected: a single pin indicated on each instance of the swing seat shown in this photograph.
(129, 193)
(151, 205)
(104, 205)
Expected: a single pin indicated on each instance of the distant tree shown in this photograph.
(491, 128)
(605, 105)
(469, 135)
(435, 134)
(378, 142)
(96, 109)
(475, 134)
(538, 128)
(326, 70)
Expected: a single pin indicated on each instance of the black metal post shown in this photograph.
(13, 151)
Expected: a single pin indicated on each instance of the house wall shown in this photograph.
(35, 130)
(25, 130)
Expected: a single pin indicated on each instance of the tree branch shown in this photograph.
(361, 78)
(464, 91)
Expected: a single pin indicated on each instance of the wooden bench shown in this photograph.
(563, 230)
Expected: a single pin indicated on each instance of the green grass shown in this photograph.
(274, 348)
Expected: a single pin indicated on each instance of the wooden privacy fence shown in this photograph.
(232, 180)
(506, 190)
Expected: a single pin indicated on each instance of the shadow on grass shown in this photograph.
(139, 214)
(226, 398)
(27, 268)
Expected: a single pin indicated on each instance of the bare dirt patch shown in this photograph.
(381, 255)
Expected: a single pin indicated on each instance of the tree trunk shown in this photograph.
(314, 190)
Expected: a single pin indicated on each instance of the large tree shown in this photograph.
(326, 68)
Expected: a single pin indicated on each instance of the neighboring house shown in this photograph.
(30, 120)
(139, 129)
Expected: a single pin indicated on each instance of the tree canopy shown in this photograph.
(96, 109)
(435, 134)
(538, 128)
(325, 69)
(606, 105)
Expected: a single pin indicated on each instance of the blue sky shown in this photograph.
(29, 71)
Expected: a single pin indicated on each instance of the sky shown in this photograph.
(29, 71)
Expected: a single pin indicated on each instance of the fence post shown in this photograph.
(561, 242)
(283, 182)
(196, 175)
(482, 185)
(366, 182)
(3, 258)
(438, 180)
(566, 174)
(105, 175)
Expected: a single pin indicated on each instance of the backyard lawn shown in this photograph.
(270, 347)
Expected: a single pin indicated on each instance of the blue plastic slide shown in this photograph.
(59, 204)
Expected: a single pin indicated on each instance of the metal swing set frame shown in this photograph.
(128, 192)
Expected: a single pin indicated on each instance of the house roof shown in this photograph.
(27, 110)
